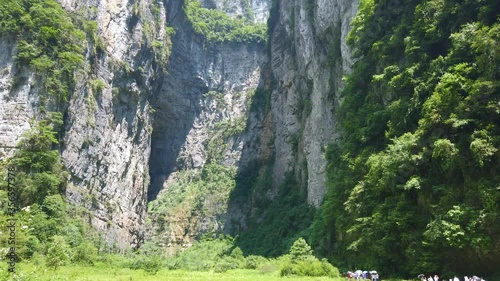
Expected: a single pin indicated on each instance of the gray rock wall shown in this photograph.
(108, 134)
(208, 85)
(106, 142)
(172, 115)
(309, 55)
(255, 10)
(17, 101)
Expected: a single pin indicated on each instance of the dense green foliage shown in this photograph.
(107, 272)
(300, 250)
(39, 170)
(276, 223)
(47, 41)
(413, 183)
(47, 228)
(312, 268)
(193, 195)
(58, 252)
(217, 26)
(301, 262)
(220, 255)
(209, 254)
(150, 264)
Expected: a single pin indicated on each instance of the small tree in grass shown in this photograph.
(303, 263)
(300, 250)
(85, 253)
(58, 253)
(150, 264)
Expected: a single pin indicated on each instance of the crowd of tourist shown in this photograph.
(436, 278)
(365, 275)
(373, 276)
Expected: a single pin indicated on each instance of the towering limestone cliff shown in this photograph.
(107, 121)
(293, 89)
(201, 111)
(108, 140)
(309, 56)
(159, 101)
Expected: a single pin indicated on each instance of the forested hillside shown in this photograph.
(414, 183)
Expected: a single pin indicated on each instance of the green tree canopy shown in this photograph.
(413, 182)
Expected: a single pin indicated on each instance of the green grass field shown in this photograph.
(102, 273)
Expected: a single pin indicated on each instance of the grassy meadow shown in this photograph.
(29, 271)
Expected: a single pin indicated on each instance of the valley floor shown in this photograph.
(102, 273)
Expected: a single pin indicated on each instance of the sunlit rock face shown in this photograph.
(309, 56)
(18, 98)
(107, 134)
(254, 10)
(106, 137)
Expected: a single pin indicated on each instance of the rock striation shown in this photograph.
(108, 132)
(308, 58)
(107, 122)
(165, 96)
(17, 102)
(254, 10)
(205, 95)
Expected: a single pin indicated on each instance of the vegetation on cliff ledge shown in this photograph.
(217, 26)
(47, 42)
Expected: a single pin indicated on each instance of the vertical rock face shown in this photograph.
(254, 10)
(309, 55)
(107, 138)
(206, 92)
(128, 120)
(17, 102)
(107, 128)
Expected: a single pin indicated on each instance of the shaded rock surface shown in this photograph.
(309, 56)
(205, 94)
